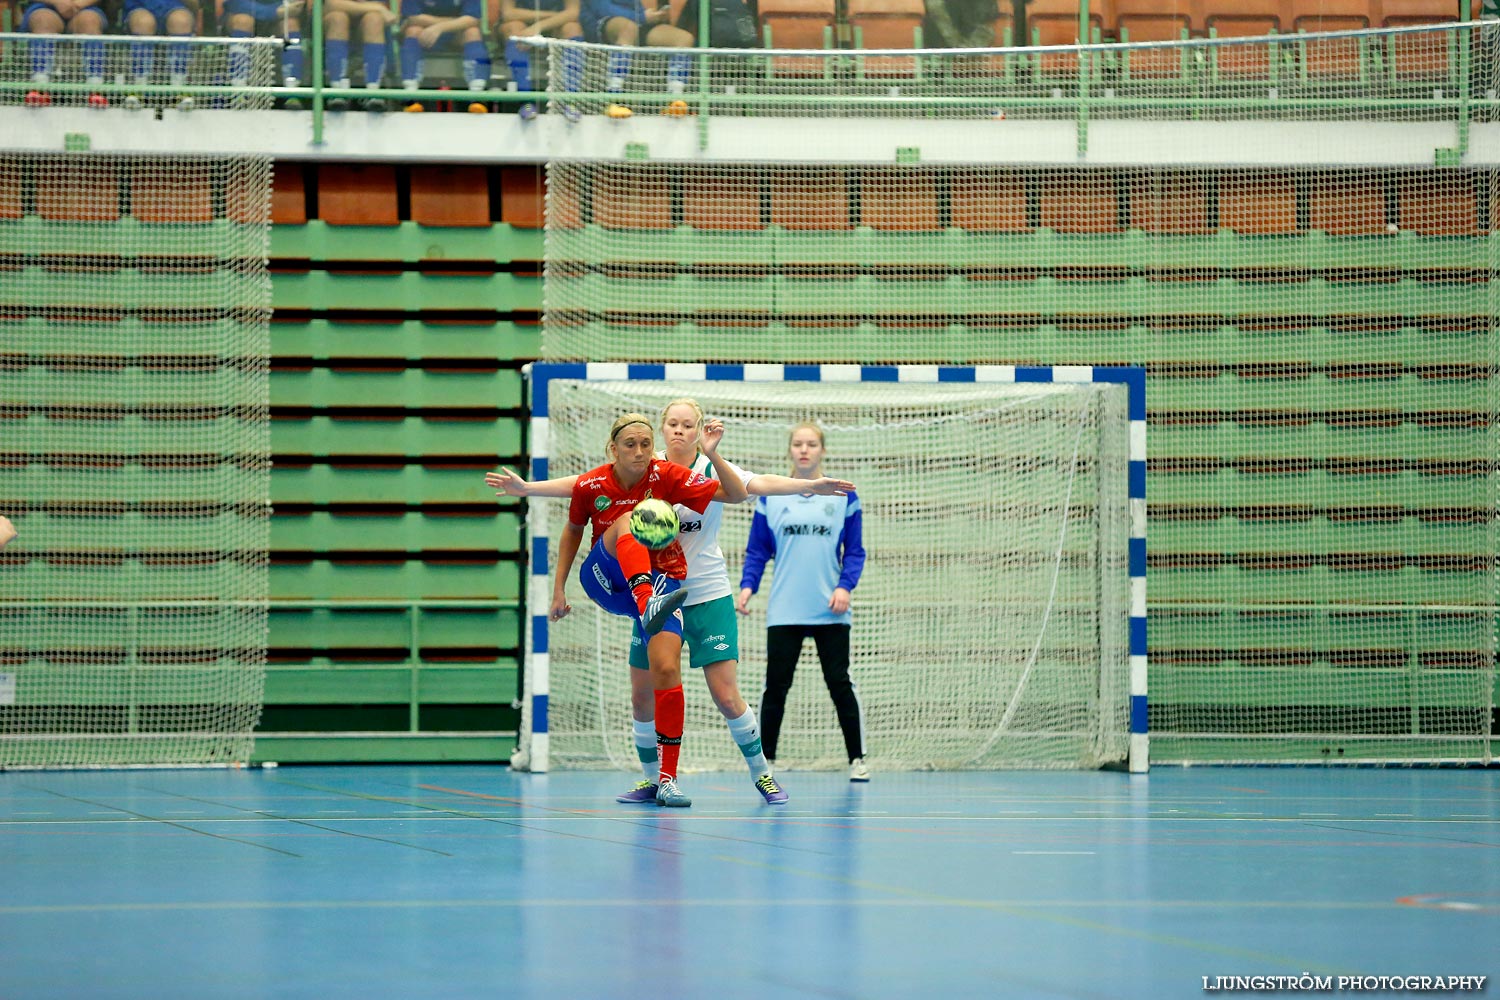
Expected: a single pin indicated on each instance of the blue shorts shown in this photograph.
(596, 15)
(96, 10)
(604, 582)
(159, 9)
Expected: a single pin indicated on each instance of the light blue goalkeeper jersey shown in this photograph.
(818, 545)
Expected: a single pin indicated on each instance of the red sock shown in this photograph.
(635, 564)
(670, 708)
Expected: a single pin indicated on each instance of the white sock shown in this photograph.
(746, 733)
(645, 749)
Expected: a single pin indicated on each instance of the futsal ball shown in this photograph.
(653, 523)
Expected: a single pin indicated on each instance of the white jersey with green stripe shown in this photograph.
(707, 573)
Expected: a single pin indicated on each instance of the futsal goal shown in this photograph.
(1000, 619)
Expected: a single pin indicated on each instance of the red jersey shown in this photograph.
(598, 497)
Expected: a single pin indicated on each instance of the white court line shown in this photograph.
(1053, 852)
(1396, 815)
(1318, 814)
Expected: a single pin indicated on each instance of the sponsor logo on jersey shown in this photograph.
(592, 480)
(714, 638)
(601, 502)
(721, 647)
(806, 529)
(603, 579)
(696, 478)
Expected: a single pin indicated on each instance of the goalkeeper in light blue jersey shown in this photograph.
(818, 545)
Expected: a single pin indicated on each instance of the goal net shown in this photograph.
(990, 626)
(1293, 234)
(134, 347)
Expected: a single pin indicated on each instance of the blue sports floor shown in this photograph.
(462, 881)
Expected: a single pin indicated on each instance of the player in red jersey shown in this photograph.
(625, 578)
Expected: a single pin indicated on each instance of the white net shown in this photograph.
(134, 346)
(990, 622)
(144, 75)
(1293, 234)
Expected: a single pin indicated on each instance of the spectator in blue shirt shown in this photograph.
(628, 23)
(76, 17)
(817, 542)
(429, 23)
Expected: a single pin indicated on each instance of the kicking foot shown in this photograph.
(659, 608)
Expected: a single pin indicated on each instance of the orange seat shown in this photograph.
(1421, 56)
(1155, 21)
(450, 196)
(351, 194)
(1347, 205)
(1172, 203)
(1080, 201)
(182, 196)
(523, 197)
(1258, 203)
(10, 190)
(989, 201)
(288, 198)
(1055, 22)
(806, 198)
(1337, 58)
(1244, 19)
(887, 24)
(633, 197)
(562, 206)
(797, 24)
(899, 201)
(723, 199)
(1438, 203)
(87, 191)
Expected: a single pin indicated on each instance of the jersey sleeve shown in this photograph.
(852, 541)
(745, 474)
(760, 548)
(580, 510)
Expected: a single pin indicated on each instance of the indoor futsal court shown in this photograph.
(470, 881)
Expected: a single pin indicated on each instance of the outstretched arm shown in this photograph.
(7, 531)
(509, 484)
(731, 487)
(567, 551)
(784, 486)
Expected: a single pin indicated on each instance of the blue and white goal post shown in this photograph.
(1004, 513)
